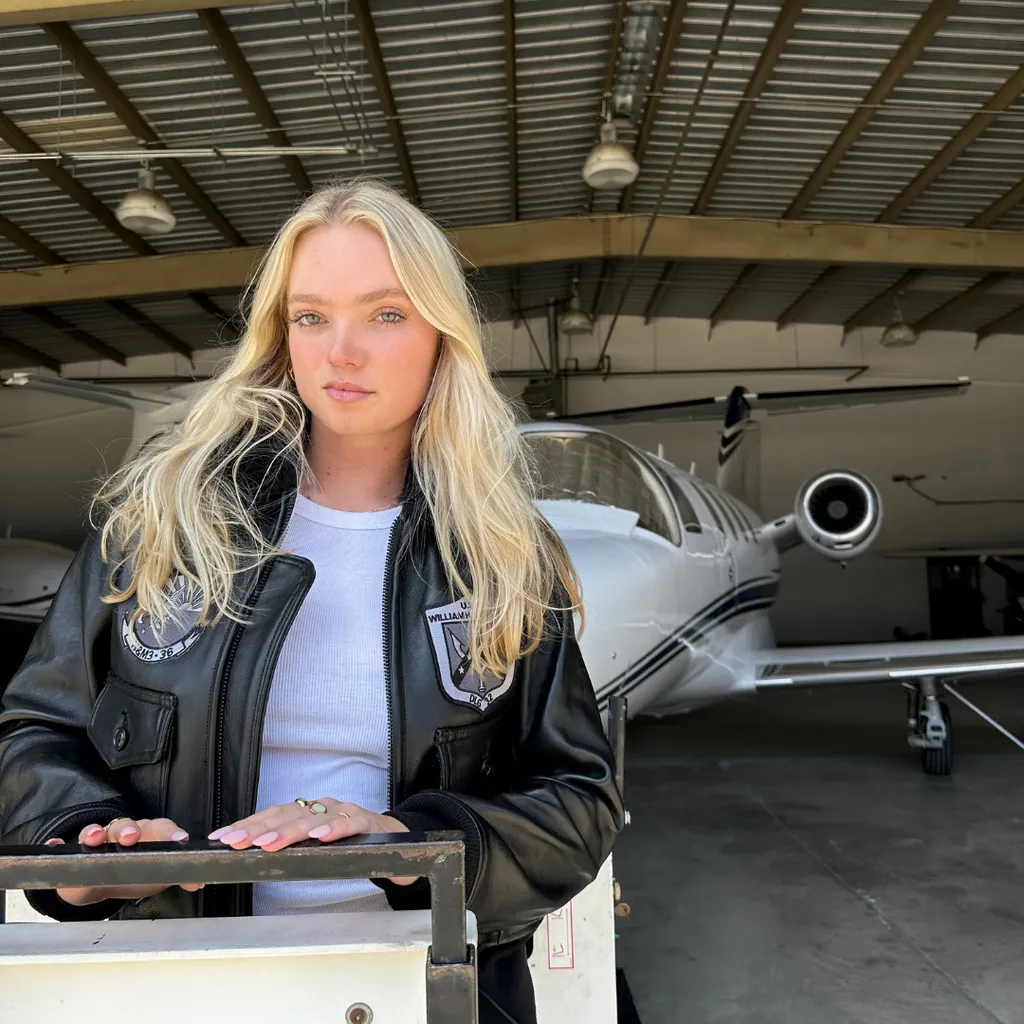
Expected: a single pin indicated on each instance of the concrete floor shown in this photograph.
(789, 863)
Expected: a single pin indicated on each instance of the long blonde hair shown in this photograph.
(180, 505)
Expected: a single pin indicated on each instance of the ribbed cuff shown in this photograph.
(447, 813)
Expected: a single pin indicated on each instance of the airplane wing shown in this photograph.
(104, 394)
(889, 662)
(774, 402)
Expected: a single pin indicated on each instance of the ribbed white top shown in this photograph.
(326, 726)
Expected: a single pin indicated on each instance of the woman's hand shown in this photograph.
(277, 827)
(125, 832)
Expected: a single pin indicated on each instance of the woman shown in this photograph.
(216, 661)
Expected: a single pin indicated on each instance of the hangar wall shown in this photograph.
(55, 447)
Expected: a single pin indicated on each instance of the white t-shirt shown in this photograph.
(326, 726)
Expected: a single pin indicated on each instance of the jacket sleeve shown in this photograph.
(532, 848)
(52, 782)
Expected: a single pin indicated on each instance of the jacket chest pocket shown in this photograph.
(478, 758)
(131, 728)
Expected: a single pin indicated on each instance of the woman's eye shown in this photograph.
(390, 317)
(307, 319)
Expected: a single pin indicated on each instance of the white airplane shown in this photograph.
(678, 574)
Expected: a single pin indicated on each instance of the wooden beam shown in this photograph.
(33, 355)
(728, 300)
(108, 90)
(34, 12)
(558, 239)
(917, 39)
(1005, 324)
(84, 338)
(214, 23)
(18, 140)
(773, 47)
(375, 60)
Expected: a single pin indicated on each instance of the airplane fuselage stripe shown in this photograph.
(760, 592)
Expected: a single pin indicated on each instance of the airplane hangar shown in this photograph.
(656, 202)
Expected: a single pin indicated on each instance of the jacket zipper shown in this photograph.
(388, 681)
(222, 699)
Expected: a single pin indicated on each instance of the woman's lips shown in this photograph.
(344, 395)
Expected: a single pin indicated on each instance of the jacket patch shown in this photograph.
(175, 636)
(448, 635)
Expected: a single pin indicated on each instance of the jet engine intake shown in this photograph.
(838, 514)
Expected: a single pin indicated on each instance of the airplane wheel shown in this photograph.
(939, 760)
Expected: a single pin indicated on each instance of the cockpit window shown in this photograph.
(602, 470)
(689, 518)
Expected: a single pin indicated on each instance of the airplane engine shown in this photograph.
(838, 514)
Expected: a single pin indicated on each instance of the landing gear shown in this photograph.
(929, 727)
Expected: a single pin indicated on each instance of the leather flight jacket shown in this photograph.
(110, 718)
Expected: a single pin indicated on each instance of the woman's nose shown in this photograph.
(346, 348)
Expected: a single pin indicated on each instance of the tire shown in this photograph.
(939, 761)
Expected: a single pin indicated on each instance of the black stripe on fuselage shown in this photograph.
(756, 593)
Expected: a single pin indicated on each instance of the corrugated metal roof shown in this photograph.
(445, 65)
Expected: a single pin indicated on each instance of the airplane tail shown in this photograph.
(739, 453)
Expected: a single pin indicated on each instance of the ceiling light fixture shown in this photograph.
(574, 320)
(899, 334)
(610, 164)
(143, 209)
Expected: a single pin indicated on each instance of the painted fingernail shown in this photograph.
(220, 832)
(266, 839)
(54, 842)
(94, 831)
(179, 836)
(127, 833)
(321, 830)
(234, 837)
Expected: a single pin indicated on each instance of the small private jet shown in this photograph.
(678, 573)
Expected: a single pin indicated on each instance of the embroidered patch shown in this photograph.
(448, 634)
(175, 636)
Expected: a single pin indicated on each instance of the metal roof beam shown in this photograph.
(33, 355)
(558, 239)
(986, 219)
(375, 60)
(1008, 94)
(214, 23)
(666, 50)
(137, 317)
(19, 141)
(107, 89)
(84, 338)
(1005, 324)
(917, 39)
(773, 47)
(963, 300)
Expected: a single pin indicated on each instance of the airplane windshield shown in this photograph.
(602, 470)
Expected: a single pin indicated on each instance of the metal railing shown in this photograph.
(437, 856)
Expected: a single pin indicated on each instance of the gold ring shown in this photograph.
(342, 814)
(317, 808)
(301, 802)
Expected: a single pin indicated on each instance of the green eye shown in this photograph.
(307, 319)
(390, 317)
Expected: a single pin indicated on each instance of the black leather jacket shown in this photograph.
(107, 719)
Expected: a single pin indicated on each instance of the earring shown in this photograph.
(291, 372)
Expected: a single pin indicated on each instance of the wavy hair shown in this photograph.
(180, 505)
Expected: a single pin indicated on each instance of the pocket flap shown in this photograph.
(131, 724)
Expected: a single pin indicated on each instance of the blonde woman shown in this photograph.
(324, 606)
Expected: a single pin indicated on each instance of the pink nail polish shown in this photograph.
(179, 836)
(94, 831)
(234, 837)
(266, 839)
(321, 830)
(54, 842)
(220, 832)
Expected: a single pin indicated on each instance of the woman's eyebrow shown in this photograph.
(380, 293)
(313, 300)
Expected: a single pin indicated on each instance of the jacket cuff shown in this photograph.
(46, 901)
(435, 811)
